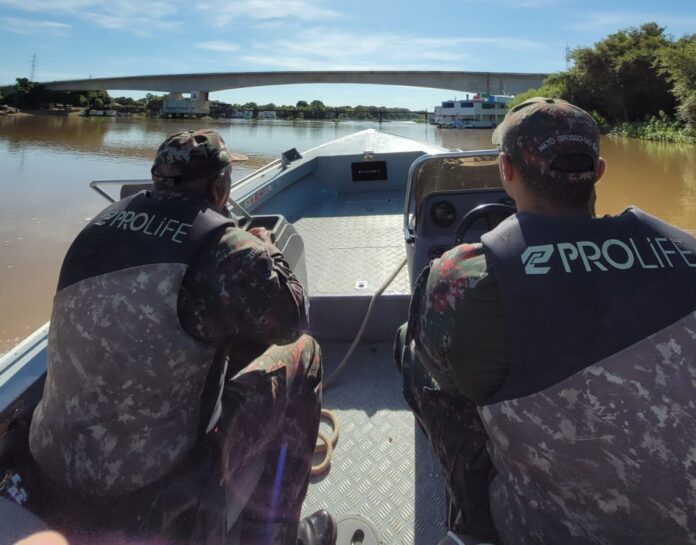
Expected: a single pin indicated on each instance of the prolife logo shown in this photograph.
(534, 256)
(587, 256)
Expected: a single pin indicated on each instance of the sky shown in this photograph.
(81, 38)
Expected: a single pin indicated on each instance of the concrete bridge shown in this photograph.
(200, 85)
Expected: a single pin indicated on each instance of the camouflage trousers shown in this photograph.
(458, 439)
(271, 408)
(270, 411)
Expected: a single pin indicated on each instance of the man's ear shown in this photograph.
(601, 169)
(213, 190)
(506, 167)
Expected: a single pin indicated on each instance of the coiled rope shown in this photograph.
(326, 444)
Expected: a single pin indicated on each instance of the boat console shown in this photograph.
(451, 198)
(286, 239)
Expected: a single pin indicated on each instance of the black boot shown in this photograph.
(317, 529)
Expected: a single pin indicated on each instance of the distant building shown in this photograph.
(100, 113)
(242, 114)
(267, 114)
(176, 104)
(479, 111)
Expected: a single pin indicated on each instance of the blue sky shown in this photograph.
(79, 38)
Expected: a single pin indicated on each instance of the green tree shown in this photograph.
(620, 74)
(102, 96)
(678, 64)
(618, 78)
(24, 95)
(153, 103)
(554, 86)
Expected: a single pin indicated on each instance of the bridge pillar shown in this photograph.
(197, 105)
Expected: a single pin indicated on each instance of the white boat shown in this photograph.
(363, 206)
(471, 113)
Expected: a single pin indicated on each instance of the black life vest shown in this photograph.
(122, 400)
(593, 431)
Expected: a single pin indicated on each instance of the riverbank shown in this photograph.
(54, 112)
(659, 129)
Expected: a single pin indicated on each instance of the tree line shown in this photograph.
(30, 95)
(316, 109)
(33, 96)
(636, 74)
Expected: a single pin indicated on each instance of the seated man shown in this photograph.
(552, 366)
(153, 408)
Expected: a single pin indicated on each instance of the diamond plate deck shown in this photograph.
(382, 467)
(343, 250)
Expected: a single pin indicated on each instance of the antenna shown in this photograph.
(567, 56)
(33, 67)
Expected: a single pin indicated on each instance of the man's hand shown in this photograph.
(262, 233)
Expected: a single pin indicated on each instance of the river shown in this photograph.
(47, 162)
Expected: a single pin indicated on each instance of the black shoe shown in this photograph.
(317, 529)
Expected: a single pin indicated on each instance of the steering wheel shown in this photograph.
(492, 214)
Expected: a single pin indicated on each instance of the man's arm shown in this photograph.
(243, 287)
(458, 324)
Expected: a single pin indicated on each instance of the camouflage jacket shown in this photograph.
(154, 294)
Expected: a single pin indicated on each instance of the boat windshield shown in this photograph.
(452, 172)
(456, 174)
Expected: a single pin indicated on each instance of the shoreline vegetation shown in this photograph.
(639, 83)
(32, 98)
(658, 129)
(388, 115)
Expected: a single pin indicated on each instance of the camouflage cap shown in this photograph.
(189, 155)
(539, 130)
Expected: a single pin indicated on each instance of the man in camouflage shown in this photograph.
(552, 364)
(177, 361)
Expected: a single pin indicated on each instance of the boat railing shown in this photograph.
(96, 185)
(255, 174)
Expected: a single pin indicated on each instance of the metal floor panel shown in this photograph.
(382, 467)
(342, 251)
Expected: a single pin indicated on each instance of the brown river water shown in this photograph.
(47, 162)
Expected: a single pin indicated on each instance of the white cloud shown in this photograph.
(218, 45)
(271, 25)
(225, 11)
(17, 25)
(315, 49)
(123, 15)
(46, 5)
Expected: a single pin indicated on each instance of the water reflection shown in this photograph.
(47, 163)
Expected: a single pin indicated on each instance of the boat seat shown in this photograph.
(131, 189)
(17, 522)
